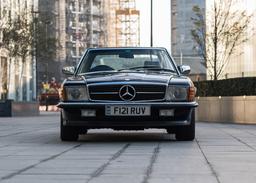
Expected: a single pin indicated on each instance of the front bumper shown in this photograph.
(71, 114)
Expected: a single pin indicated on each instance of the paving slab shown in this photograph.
(31, 151)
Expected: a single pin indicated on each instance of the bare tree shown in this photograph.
(17, 39)
(24, 33)
(4, 84)
(219, 33)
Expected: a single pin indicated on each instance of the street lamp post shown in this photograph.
(151, 24)
(34, 54)
(182, 36)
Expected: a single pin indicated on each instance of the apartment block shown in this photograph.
(123, 23)
(77, 25)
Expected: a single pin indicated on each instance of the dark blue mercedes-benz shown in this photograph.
(127, 89)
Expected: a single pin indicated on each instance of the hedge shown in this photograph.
(227, 87)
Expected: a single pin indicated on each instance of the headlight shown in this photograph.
(180, 93)
(75, 93)
(177, 93)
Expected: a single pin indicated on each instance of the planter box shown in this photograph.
(6, 108)
(10, 108)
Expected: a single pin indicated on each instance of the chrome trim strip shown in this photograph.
(144, 124)
(150, 92)
(134, 101)
(113, 93)
(170, 104)
(103, 93)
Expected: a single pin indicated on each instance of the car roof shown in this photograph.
(124, 48)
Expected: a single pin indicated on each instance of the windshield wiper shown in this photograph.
(98, 72)
(162, 69)
(149, 68)
(134, 68)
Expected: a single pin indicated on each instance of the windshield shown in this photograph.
(126, 60)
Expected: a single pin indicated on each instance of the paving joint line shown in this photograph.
(208, 162)
(244, 130)
(250, 133)
(53, 174)
(3, 146)
(9, 176)
(241, 141)
(99, 170)
(151, 164)
(238, 139)
(23, 132)
(12, 134)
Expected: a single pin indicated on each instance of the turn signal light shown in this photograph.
(191, 93)
(62, 93)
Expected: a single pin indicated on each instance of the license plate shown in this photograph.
(124, 110)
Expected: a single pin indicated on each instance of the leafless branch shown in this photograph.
(226, 30)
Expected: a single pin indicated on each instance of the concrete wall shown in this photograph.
(25, 109)
(240, 109)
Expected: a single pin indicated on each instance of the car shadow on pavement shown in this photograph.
(126, 137)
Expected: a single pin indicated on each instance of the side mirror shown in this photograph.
(68, 70)
(184, 69)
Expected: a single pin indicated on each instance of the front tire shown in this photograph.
(187, 133)
(67, 133)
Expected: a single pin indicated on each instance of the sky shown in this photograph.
(161, 23)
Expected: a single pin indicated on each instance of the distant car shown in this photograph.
(127, 89)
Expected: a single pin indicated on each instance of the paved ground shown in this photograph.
(30, 151)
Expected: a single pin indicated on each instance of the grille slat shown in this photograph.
(144, 92)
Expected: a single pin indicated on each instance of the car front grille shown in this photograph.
(144, 92)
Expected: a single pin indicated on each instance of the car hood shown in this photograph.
(129, 77)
